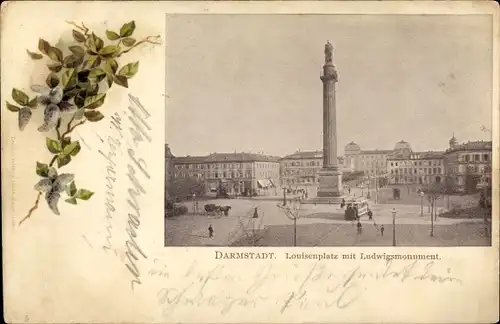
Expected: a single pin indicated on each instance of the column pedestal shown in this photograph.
(330, 184)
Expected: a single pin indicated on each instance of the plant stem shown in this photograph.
(149, 39)
(70, 128)
(57, 129)
(35, 206)
(84, 29)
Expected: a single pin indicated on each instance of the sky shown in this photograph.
(250, 83)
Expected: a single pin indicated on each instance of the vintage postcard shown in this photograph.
(250, 162)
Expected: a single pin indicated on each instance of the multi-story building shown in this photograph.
(468, 165)
(240, 173)
(408, 167)
(302, 167)
(371, 162)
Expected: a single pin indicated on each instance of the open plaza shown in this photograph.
(317, 225)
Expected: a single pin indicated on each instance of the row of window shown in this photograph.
(228, 174)
(420, 171)
(226, 166)
(417, 163)
(474, 157)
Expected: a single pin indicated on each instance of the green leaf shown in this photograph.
(109, 50)
(93, 102)
(34, 56)
(129, 41)
(93, 62)
(55, 54)
(112, 35)
(69, 79)
(20, 97)
(12, 107)
(71, 201)
(129, 70)
(93, 89)
(79, 115)
(72, 61)
(52, 80)
(111, 66)
(121, 80)
(84, 194)
(127, 29)
(62, 160)
(77, 50)
(53, 146)
(65, 141)
(95, 73)
(68, 150)
(76, 150)
(93, 115)
(109, 78)
(84, 85)
(80, 99)
(71, 189)
(42, 169)
(94, 43)
(44, 46)
(68, 94)
(79, 37)
(33, 103)
(55, 67)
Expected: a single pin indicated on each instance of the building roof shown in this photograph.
(471, 146)
(376, 151)
(304, 155)
(398, 155)
(226, 157)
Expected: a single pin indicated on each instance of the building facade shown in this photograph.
(416, 167)
(302, 167)
(371, 162)
(239, 173)
(468, 165)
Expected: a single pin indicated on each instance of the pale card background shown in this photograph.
(55, 269)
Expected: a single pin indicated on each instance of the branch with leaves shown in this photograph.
(78, 78)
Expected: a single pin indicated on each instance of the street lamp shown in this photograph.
(284, 195)
(432, 225)
(393, 226)
(368, 194)
(421, 204)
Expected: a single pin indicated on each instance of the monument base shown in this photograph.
(330, 184)
(334, 201)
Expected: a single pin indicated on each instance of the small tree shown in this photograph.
(292, 211)
(251, 230)
(434, 192)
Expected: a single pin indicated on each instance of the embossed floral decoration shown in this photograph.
(79, 77)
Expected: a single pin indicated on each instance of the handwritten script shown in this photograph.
(129, 131)
(309, 286)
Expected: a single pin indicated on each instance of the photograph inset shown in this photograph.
(268, 118)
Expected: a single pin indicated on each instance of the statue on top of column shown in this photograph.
(328, 52)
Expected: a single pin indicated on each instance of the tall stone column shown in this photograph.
(330, 178)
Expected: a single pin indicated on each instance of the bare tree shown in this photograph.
(434, 192)
(292, 211)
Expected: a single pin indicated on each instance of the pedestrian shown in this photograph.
(210, 231)
(360, 227)
(255, 213)
(382, 230)
(370, 214)
(349, 190)
(342, 204)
